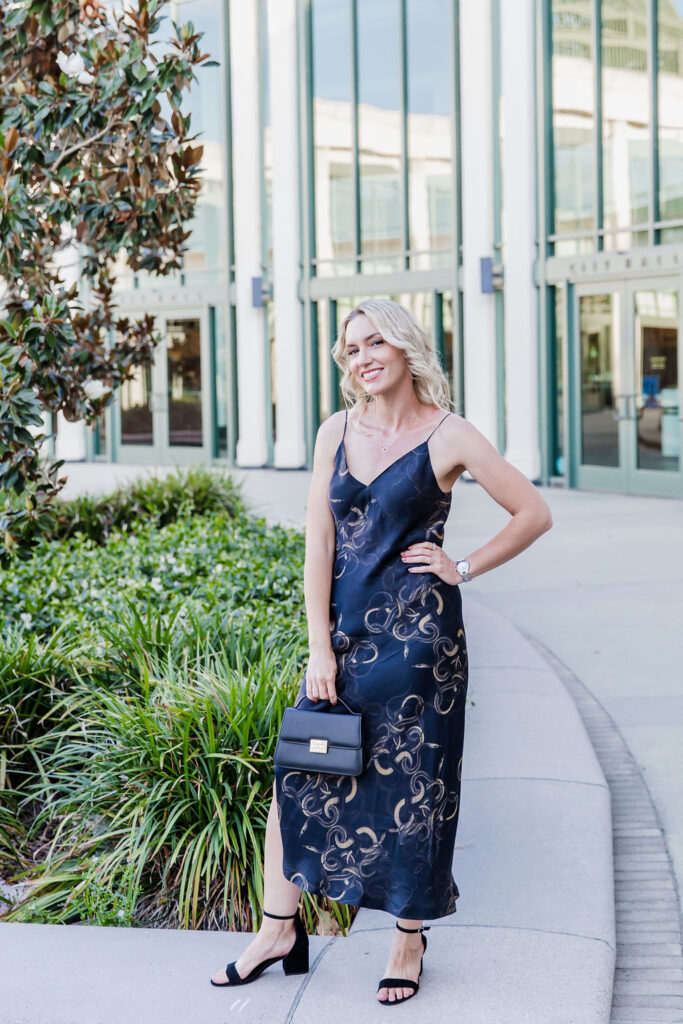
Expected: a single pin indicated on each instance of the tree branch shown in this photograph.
(66, 153)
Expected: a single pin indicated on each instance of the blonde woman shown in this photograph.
(386, 633)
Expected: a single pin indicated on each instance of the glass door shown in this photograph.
(654, 409)
(626, 429)
(164, 411)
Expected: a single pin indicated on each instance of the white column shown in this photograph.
(252, 444)
(290, 446)
(519, 233)
(476, 77)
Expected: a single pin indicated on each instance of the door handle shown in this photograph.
(615, 410)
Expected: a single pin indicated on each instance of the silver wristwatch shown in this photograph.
(463, 567)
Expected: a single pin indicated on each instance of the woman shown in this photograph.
(386, 633)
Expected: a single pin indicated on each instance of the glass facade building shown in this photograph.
(515, 177)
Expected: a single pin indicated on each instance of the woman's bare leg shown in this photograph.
(404, 961)
(281, 896)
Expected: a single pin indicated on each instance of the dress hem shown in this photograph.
(369, 904)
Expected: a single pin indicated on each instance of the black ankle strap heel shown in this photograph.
(422, 928)
(294, 962)
(405, 982)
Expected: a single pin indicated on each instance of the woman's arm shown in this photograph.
(530, 512)
(320, 551)
(461, 446)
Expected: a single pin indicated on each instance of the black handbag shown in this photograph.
(320, 740)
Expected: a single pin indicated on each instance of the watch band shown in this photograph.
(462, 566)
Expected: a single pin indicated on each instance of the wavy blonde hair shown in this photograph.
(398, 327)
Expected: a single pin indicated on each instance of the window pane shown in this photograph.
(136, 408)
(184, 383)
(670, 59)
(332, 136)
(625, 122)
(656, 327)
(379, 134)
(600, 379)
(429, 73)
(204, 261)
(573, 70)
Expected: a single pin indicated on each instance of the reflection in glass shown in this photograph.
(601, 400)
(625, 122)
(656, 330)
(447, 325)
(573, 70)
(221, 384)
(99, 434)
(333, 136)
(204, 262)
(330, 397)
(670, 59)
(136, 408)
(429, 130)
(379, 134)
(557, 314)
(184, 383)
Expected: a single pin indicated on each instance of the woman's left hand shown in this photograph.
(433, 559)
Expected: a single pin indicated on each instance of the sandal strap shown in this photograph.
(423, 928)
(233, 976)
(398, 983)
(282, 917)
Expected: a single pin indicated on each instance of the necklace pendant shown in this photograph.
(383, 446)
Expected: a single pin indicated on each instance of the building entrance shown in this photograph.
(162, 416)
(627, 420)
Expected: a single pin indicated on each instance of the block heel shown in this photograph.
(296, 961)
(293, 962)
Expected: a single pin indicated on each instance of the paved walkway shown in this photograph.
(532, 939)
(535, 925)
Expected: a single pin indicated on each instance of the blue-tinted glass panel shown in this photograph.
(600, 379)
(573, 70)
(625, 122)
(379, 134)
(184, 365)
(333, 136)
(670, 47)
(658, 395)
(429, 127)
(204, 261)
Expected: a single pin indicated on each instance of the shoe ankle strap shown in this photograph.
(281, 917)
(422, 928)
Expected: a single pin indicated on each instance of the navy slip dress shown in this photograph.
(385, 839)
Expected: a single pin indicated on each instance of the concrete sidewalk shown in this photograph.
(533, 939)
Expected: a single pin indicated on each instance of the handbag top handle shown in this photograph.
(338, 698)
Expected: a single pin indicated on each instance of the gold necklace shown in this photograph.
(383, 446)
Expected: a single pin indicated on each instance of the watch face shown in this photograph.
(462, 566)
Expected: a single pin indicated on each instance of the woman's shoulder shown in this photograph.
(331, 430)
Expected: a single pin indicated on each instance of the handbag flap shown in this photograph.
(339, 728)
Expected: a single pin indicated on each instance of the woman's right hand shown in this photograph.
(321, 674)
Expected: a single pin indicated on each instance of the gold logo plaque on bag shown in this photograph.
(318, 746)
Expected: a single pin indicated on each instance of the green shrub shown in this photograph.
(158, 797)
(154, 500)
(34, 674)
(209, 564)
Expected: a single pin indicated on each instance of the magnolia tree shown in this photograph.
(96, 158)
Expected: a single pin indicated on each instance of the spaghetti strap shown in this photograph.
(346, 420)
(439, 423)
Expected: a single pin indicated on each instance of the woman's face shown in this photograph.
(375, 363)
